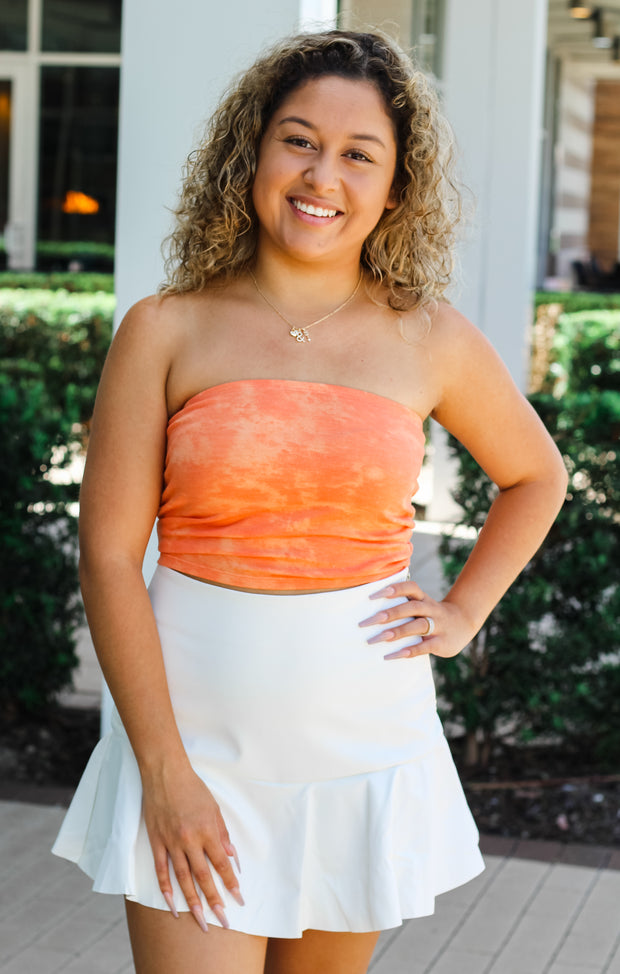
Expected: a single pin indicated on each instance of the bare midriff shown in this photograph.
(262, 591)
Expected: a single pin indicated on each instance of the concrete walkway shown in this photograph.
(521, 916)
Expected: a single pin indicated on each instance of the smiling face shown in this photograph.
(325, 170)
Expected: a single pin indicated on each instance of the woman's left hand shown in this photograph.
(449, 633)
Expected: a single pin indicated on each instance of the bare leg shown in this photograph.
(321, 951)
(163, 945)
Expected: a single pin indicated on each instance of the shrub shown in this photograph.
(571, 301)
(39, 609)
(59, 338)
(61, 280)
(57, 254)
(547, 661)
(52, 346)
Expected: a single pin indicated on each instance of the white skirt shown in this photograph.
(328, 762)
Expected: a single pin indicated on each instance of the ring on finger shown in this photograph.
(431, 626)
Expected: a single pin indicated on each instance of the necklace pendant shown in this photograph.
(299, 334)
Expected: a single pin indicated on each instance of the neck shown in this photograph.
(306, 291)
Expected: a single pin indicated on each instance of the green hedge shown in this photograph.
(56, 254)
(70, 249)
(61, 280)
(572, 301)
(39, 606)
(547, 662)
(52, 347)
(59, 338)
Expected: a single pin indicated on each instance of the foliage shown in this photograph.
(52, 347)
(547, 661)
(52, 254)
(75, 255)
(39, 610)
(61, 280)
(71, 248)
(571, 301)
(59, 338)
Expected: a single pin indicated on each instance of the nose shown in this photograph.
(322, 173)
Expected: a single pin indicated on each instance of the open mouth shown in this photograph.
(311, 210)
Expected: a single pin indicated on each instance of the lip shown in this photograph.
(309, 217)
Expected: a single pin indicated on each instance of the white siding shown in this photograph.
(573, 158)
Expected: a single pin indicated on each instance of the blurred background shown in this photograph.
(100, 103)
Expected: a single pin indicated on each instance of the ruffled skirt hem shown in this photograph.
(329, 765)
(356, 854)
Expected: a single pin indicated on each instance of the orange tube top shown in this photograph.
(278, 484)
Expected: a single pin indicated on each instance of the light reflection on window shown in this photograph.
(78, 151)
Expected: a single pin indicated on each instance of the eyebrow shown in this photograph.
(360, 136)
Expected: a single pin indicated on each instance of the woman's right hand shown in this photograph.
(186, 828)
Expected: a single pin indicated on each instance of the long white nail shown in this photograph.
(199, 917)
(169, 900)
(235, 892)
(235, 858)
(219, 912)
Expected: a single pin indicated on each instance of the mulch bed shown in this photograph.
(544, 793)
(525, 793)
(41, 760)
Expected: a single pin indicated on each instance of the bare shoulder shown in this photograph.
(156, 318)
(451, 333)
(473, 381)
(152, 332)
(461, 352)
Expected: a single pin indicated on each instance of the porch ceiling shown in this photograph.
(572, 39)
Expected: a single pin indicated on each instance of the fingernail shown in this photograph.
(383, 594)
(235, 892)
(199, 917)
(399, 654)
(235, 857)
(384, 636)
(219, 912)
(169, 900)
(378, 617)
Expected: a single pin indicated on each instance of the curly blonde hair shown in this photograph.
(409, 252)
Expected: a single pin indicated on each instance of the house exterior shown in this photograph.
(531, 101)
(579, 214)
(59, 96)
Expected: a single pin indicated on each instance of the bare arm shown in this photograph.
(118, 505)
(481, 406)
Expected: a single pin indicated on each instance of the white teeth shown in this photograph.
(312, 210)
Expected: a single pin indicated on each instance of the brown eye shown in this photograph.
(358, 156)
(299, 141)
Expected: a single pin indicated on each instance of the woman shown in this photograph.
(276, 704)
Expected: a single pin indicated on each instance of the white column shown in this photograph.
(177, 59)
(494, 84)
(317, 14)
(494, 58)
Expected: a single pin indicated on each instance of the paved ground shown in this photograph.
(521, 916)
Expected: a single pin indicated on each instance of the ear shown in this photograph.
(392, 201)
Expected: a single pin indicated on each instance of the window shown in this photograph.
(77, 162)
(86, 27)
(13, 25)
(428, 34)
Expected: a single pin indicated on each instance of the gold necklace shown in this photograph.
(301, 334)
